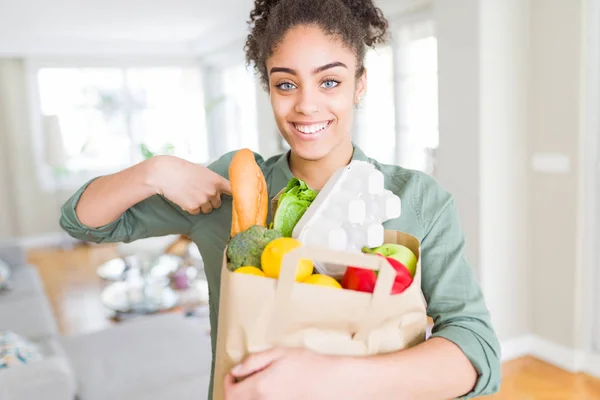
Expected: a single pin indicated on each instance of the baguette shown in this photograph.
(249, 190)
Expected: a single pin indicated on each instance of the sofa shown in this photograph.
(157, 357)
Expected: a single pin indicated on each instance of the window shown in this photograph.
(376, 117)
(397, 122)
(240, 88)
(231, 108)
(417, 95)
(111, 118)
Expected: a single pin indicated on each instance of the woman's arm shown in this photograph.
(435, 369)
(153, 198)
(192, 187)
(106, 198)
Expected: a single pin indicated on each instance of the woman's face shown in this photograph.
(313, 90)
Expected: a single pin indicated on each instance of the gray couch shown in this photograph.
(158, 357)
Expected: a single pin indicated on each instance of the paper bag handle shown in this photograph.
(287, 279)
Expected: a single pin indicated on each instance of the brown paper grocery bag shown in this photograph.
(258, 313)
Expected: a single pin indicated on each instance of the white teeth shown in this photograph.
(310, 129)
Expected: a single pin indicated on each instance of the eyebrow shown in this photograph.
(315, 71)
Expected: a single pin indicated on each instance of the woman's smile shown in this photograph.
(310, 130)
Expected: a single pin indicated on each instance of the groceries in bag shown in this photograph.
(246, 248)
(315, 311)
(348, 214)
(249, 190)
(397, 252)
(291, 206)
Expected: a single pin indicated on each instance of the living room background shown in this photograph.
(503, 112)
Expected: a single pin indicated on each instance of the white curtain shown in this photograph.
(25, 209)
(8, 220)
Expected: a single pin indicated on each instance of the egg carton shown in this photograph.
(348, 213)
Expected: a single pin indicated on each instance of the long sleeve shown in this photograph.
(454, 296)
(155, 216)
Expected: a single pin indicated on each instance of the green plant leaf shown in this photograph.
(146, 153)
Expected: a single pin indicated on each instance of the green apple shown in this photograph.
(398, 252)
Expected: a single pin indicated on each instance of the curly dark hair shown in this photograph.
(358, 23)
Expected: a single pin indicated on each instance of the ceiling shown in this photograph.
(104, 26)
(133, 27)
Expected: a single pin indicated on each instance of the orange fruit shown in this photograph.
(272, 257)
(322, 280)
(250, 271)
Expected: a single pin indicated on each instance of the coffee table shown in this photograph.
(114, 270)
(141, 285)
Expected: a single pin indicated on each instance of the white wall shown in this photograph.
(589, 301)
(504, 77)
(458, 161)
(483, 144)
(555, 126)
(512, 89)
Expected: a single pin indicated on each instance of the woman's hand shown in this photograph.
(293, 374)
(192, 187)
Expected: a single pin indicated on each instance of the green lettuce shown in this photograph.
(292, 205)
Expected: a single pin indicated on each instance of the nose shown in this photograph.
(307, 102)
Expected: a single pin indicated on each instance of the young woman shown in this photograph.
(309, 55)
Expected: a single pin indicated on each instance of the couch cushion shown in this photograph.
(140, 359)
(48, 379)
(51, 348)
(12, 253)
(24, 281)
(5, 273)
(30, 317)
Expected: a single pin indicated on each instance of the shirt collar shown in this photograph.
(283, 163)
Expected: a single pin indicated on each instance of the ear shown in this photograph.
(361, 87)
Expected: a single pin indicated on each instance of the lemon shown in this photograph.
(250, 271)
(322, 280)
(272, 257)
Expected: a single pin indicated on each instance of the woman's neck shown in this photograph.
(317, 173)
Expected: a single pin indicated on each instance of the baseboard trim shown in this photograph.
(561, 356)
(592, 365)
(47, 240)
(518, 347)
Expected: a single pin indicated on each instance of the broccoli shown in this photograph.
(245, 248)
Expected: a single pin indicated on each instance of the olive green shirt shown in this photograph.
(454, 297)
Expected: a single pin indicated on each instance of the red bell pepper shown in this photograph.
(359, 279)
(403, 276)
(363, 280)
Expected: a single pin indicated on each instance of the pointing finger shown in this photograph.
(225, 186)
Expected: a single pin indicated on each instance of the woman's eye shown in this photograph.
(286, 86)
(329, 84)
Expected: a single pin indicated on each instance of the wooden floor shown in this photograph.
(74, 288)
(530, 379)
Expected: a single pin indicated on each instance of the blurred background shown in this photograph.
(497, 99)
